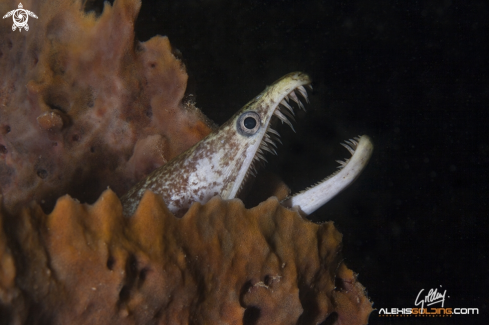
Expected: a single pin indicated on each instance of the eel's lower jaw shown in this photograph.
(316, 196)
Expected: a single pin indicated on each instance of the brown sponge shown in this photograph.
(219, 264)
(84, 106)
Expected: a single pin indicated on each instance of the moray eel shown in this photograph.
(221, 163)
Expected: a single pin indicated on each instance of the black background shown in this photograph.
(413, 75)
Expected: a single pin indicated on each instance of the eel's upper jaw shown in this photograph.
(316, 196)
(279, 97)
(293, 90)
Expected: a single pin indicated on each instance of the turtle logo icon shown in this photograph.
(21, 16)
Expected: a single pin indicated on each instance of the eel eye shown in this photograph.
(248, 123)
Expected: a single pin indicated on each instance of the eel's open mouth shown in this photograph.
(221, 163)
(283, 96)
(284, 112)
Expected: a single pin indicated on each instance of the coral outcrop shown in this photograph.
(84, 106)
(219, 264)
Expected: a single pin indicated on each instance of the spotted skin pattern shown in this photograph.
(219, 163)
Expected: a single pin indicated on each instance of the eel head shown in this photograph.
(248, 135)
(221, 163)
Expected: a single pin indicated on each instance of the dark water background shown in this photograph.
(411, 74)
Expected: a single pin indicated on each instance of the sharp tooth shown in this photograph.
(267, 139)
(353, 143)
(276, 139)
(283, 102)
(348, 148)
(301, 106)
(310, 86)
(303, 92)
(273, 132)
(295, 99)
(290, 116)
(276, 135)
(260, 156)
(282, 117)
(271, 150)
(341, 162)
